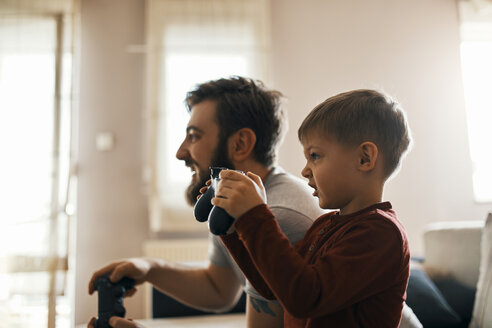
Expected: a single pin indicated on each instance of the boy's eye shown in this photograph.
(313, 156)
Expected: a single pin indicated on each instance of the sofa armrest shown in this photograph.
(452, 250)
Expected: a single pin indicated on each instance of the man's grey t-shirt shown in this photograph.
(295, 208)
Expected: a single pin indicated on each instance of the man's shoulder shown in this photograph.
(281, 184)
(288, 192)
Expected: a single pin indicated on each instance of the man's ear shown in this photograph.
(367, 155)
(241, 144)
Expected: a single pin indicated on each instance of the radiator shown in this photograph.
(173, 250)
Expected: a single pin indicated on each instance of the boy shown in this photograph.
(351, 268)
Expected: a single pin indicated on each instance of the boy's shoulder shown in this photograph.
(388, 217)
(380, 220)
(378, 217)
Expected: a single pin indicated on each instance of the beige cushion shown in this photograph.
(452, 250)
(482, 310)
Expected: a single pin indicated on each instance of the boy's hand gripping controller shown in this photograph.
(110, 299)
(218, 219)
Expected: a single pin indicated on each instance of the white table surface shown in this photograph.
(237, 320)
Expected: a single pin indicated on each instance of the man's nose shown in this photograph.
(182, 153)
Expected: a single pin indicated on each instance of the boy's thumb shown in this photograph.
(255, 178)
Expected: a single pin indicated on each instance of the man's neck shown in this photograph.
(252, 166)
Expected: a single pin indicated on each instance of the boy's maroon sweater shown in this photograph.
(348, 270)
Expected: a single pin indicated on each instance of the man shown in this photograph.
(235, 123)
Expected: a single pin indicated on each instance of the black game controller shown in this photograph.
(218, 219)
(110, 298)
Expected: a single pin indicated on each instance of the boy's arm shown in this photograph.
(364, 264)
(247, 266)
(368, 259)
(292, 223)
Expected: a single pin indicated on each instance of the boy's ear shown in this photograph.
(368, 155)
(241, 144)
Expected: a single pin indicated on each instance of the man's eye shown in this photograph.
(192, 137)
(314, 156)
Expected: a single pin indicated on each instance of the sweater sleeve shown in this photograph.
(245, 263)
(366, 261)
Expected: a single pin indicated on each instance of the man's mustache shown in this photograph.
(189, 163)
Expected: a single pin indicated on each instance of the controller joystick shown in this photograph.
(218, 219)
(110, 298)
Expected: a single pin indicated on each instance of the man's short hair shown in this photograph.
(245, 103)
(362, 115)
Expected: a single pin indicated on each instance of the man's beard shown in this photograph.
(220, 158)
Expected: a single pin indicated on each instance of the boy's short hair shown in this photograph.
(362, 115)
(245, 103)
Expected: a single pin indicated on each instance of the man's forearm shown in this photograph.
(211, 289)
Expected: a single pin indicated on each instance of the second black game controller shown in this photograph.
(218, 219)
(110, 299)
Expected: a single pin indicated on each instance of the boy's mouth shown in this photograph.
(315, 193)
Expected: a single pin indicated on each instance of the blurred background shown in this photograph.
(91, 115)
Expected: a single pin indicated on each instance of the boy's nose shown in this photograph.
(306, 172)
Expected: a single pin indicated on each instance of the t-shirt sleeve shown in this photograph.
(292, 223)
(217, 253)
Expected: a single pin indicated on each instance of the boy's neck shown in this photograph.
(366, 198)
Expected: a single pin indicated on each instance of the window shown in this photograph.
(193, 41)
(477, 79)
(182, 70)
(35, 119)
(476, 54)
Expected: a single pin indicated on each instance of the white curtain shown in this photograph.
(192, 41)
(476, 54)
(35, 138)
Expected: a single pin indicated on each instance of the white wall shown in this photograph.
(320, 48)
(409, 49)
(112, 216)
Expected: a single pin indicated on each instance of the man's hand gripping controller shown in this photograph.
(110, 298)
